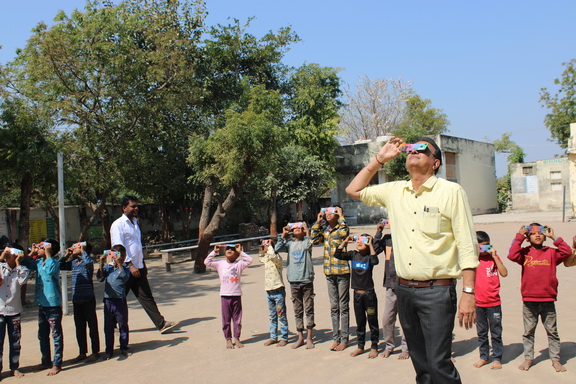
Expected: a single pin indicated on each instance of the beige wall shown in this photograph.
(538, 186)
(475, 172)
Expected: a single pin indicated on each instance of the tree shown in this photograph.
(376, 109)
(106, 74)
(562, 105)
(504, 183)
(27, 154)
(224, 161)
(419, 119)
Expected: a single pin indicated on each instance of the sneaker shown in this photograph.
(168, 325)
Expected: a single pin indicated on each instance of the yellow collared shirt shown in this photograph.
(432, 230)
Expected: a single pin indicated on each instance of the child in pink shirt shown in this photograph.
(539, 287)
(230, 271)
(488, 305)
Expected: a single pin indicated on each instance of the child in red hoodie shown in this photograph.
(539, 287)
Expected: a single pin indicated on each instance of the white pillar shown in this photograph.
(62, 230)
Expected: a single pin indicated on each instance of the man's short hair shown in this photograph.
(127, 199)
(437, 151)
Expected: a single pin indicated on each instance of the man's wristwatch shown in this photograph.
(468, 290)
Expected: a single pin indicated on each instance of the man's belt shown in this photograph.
(426, 283)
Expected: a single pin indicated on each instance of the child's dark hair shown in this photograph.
(482, 237)
(119, 248)
(88, 248)
(535, 224)
(55, 245)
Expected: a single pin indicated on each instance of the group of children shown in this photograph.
(539, 288)
(15, 269)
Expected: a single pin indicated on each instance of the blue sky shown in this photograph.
(482, 62)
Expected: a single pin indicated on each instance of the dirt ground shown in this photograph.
(195, 352)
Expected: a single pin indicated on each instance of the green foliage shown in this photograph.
(420, 119)
(27, 147)
(504, 184)
(313, 103)
(562, 105)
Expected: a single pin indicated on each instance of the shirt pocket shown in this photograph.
(431, 223)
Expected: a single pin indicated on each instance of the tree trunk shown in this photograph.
(97, 212)
(273, 212)
(105, 216)
(165, 220)
(206, 204)
(212, 227)
(26, 185)
(299, 210)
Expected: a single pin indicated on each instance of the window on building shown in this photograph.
(555, 175)
(527, 171)
(556, 186)
(450, 166)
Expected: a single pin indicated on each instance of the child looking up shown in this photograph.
(300, 275)
(116, 277)
(12, 277)
(77, 259)
(230, 270)
(488, 304)
(539, 287)
(275, 292)
(362, 263)
(49, 300)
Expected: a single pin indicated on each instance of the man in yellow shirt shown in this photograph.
(434, 244)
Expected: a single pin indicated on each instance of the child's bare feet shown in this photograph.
(270, 342)
(481, 363)
(282, 343)
(341, 346)
(299, 343)
(237, 343)
(125, 353)
(17, 373)
(54, 370)
(525, 365)
(557, 366)
(78, 358)
(309, 344)
(496, 365)
(404, 356)
(373, 353)
(229, 344)
(357, 352)
(334, 345)
(387, 352)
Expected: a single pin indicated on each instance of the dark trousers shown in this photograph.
(427, 319)
(231, 312)
(50, 322)
(85, 315)
(490, 318)
(366, 308)
(303, 301)
(115, 312)
(12, 325)
(141, 289)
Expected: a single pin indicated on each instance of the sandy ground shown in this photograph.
(195, 352)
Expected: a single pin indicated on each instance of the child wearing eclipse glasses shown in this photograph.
(488, 304)
(539, 287)
(115, 275)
